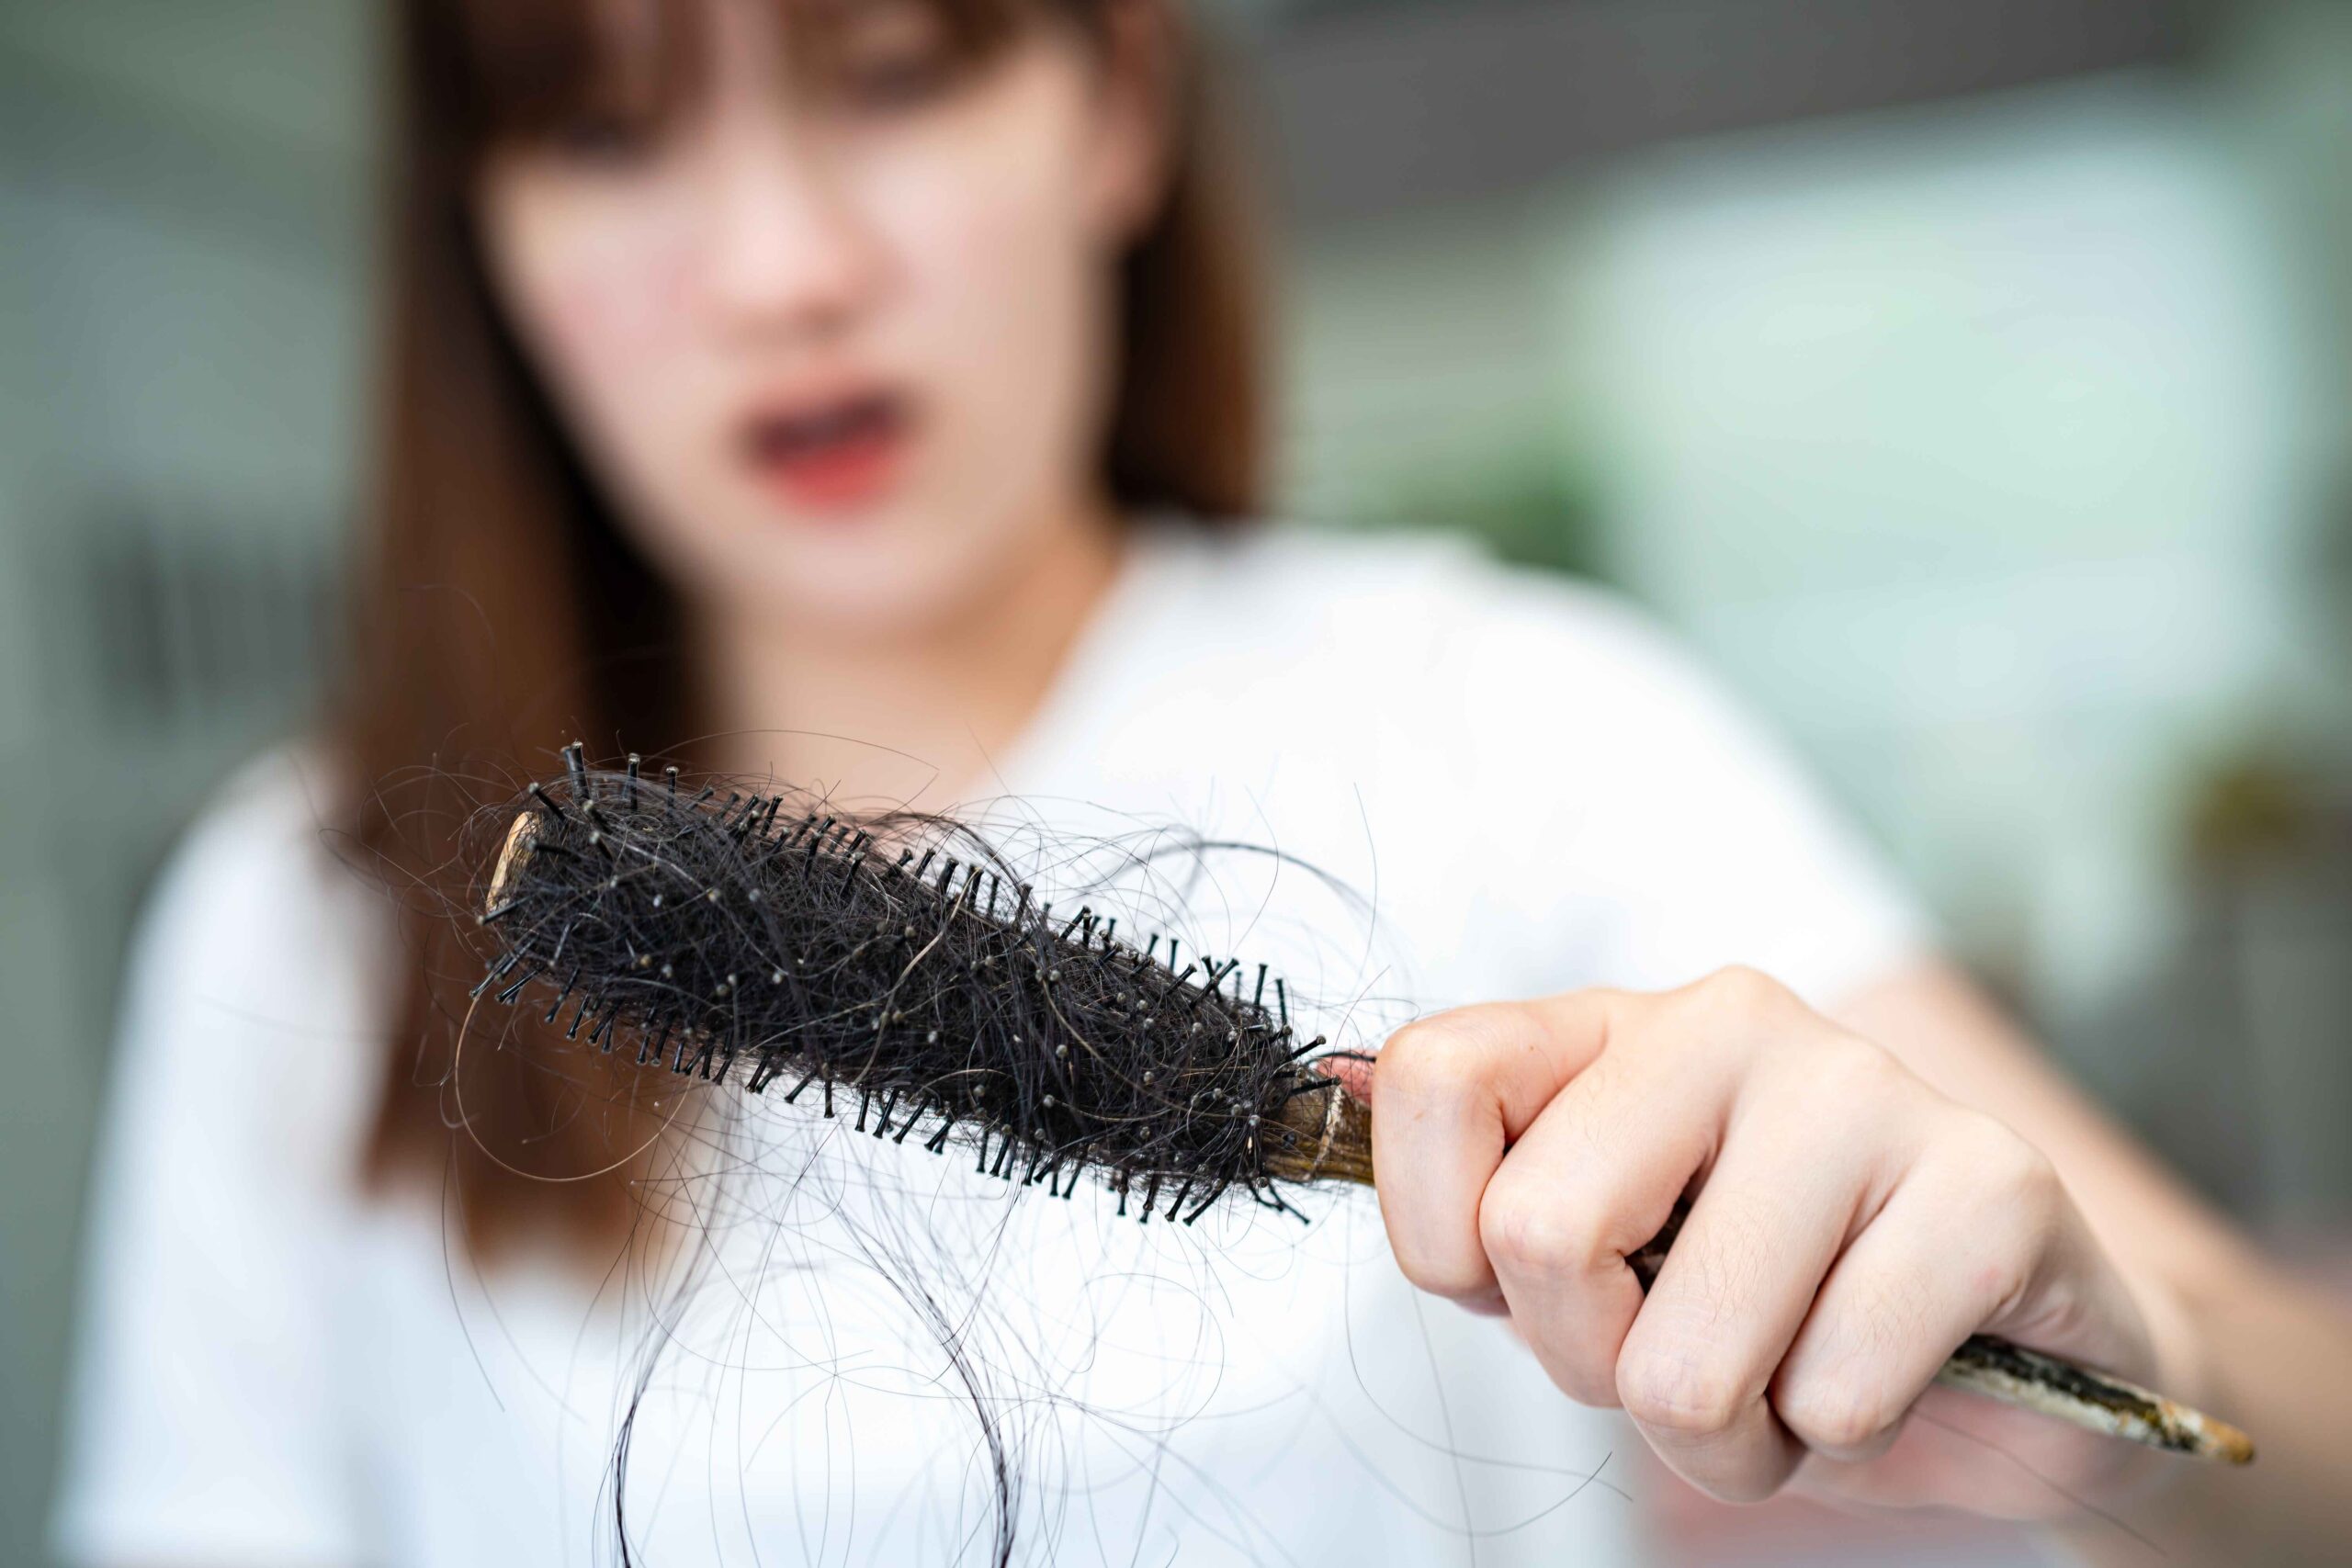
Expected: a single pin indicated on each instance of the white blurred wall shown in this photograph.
(1981, 451)
(1983, 445)
(181, 301)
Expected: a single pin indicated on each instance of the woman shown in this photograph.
(864, 393)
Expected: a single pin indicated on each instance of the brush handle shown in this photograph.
(1330, 1140)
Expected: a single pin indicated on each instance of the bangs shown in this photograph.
(518, 71)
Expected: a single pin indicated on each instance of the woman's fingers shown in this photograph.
(1525, 1149)
(1955, 1245)
(1450, 1094)
(1696, 1369)
(1593, 1180)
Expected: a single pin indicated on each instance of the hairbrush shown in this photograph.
(893, 959)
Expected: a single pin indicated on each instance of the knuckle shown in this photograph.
(1585, 1379)
(1833, 1414)
(1730, 1004)
(1434, 1055)
(1443, 1261)
(1591, 1395)
(1738, 989)
(1453, 1274)
(2021, 1202)
(1411, 1050)
(1528, 1230)
(1849, 1072)
(1674, 1394)
(1412, 1067)
(2011, 1174)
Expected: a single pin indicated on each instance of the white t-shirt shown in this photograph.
(1503, 786)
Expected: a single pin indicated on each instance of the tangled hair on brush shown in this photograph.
(897, 957)
(760, 939)
(769, 943)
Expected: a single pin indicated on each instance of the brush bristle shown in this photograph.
(757, 940)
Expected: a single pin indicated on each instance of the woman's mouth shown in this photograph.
(836, 457)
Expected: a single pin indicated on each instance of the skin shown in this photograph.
(950, 239)
(1875, 1185)
(1863, 1208)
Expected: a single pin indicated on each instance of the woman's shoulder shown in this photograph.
(260, 855)
(246, 1060)
(274, 804)
(1629, 769)
(1431, 611)
(1422, 577)
(258, 946)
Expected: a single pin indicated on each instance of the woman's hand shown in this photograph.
(1851, 1227)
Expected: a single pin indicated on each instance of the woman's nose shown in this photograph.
(784, 249)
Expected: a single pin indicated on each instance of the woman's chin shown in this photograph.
(860, 597)
(889, 572)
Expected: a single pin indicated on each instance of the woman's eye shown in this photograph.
(882, 81)
(602, 139)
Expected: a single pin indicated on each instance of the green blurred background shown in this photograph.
(1969, 380)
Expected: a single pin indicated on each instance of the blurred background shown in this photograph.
(1969, 380)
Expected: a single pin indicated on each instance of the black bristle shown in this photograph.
(498, 971)
(1045, 1046)
(564, 995)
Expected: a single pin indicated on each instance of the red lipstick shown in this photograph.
(837, 455)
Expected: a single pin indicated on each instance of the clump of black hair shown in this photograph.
(758, 939)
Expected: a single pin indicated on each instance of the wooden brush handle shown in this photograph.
(1330, 1139)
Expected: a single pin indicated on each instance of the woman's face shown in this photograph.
(836, 340)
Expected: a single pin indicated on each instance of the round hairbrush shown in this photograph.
(894, 961)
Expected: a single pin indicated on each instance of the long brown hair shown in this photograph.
(500, 612)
